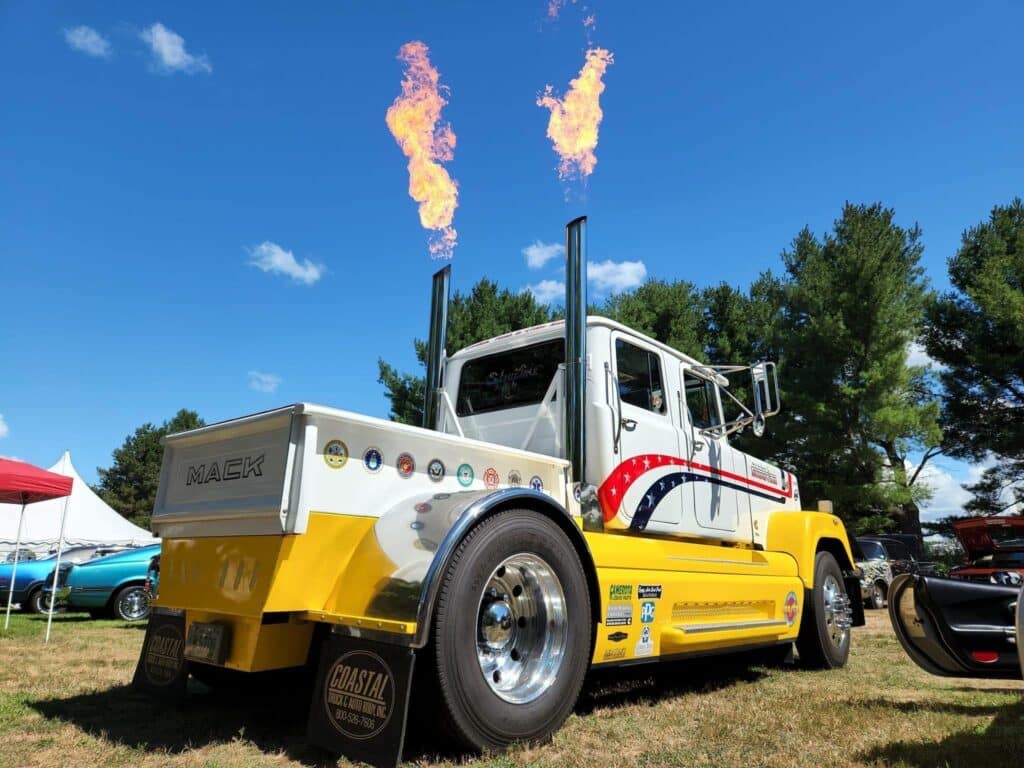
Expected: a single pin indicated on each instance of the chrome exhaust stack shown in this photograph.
(576, 371)
(436, 346)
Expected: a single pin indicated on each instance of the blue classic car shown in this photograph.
(112, 586)
(31, 575)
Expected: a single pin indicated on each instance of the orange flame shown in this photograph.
(413, 121)
(575, 118)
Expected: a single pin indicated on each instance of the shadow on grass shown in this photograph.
(652, 683)
(271, 721)
(1000, 744)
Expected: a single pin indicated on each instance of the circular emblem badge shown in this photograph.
(405, 464)
(164, 655)
(373, 460)
(789, 608)
(491, 478)
(435, 470)
(359, 694)
(465, 475)
(335, 454)
(515, 479)
(536, 483)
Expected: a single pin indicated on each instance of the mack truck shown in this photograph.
(573, 501)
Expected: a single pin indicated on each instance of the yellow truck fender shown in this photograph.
(802, 535)
(395, 572)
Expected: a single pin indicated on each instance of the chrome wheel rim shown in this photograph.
(134, 605)
(522, 628)
(877, 596)
(837, 611)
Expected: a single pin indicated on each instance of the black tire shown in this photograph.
(36, 602)
(877, 598)
(131, 603)
(473, 713)
(821, 643)
(33, 601)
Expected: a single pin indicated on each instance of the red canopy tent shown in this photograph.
(22, 483)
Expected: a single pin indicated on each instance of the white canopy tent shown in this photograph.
(90, 520)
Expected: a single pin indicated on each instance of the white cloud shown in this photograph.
(169, 52)
(263, 382)
(948, 497)
(616, 276)
(916, 355)
(547, 291)
(4, 429)
(88, 41)
(538, 254)
(271, 257)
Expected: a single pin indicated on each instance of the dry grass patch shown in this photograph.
(70, 704)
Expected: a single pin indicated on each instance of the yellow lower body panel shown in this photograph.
(662, 597)
(331, 574)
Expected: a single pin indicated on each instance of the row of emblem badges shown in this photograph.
(336, 456)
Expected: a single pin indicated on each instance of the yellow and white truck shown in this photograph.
(573, 501)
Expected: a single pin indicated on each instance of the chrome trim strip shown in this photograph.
(693, 629)
(717, 561)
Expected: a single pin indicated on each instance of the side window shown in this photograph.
(640, 381)
(701, 406)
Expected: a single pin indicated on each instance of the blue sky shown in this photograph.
(136, 191)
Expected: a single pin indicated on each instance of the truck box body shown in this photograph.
(310, 512)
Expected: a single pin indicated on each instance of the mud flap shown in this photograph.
(361, 700)
(162, 669)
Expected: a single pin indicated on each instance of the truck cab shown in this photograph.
(658, 442)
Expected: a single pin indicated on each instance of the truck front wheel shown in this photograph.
(824, 640)
(512, 632)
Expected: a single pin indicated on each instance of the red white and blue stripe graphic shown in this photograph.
(658, 475)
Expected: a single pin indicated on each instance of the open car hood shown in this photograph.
(986, 535)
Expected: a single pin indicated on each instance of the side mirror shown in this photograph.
(765, 381)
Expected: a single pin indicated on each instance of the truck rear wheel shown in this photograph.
(512, 632)
(824, 640)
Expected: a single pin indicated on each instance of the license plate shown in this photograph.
(208, 642)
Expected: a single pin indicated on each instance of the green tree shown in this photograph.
(130, 484)
(672, 313)
(483, 313)
(854, 301)
(977, 332)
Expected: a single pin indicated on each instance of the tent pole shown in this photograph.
(56, 568)
(14, 570)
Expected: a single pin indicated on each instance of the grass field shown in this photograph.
(69, 704)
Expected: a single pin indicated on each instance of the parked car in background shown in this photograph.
(899, 555)
(22, 556)
(113, 586)
(994, 547)
(30, 577)
(876, 572)
(153, 577)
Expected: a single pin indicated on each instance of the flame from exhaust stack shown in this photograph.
(575, 118)
(413, 121)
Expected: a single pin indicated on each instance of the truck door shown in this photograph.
(641, 487)
(715, 496)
